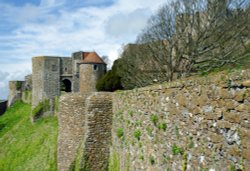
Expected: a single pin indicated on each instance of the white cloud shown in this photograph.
(123, 24)
(53, 28)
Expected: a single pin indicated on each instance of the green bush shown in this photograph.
(111, 81)
(137, 134)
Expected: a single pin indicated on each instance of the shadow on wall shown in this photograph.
(3, 106)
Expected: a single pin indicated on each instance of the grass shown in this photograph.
(27, 146)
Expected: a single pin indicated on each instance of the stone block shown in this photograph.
(232, 117)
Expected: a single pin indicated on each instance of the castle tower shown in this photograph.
(45, 78)
(91, 68)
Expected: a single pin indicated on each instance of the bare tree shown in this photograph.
(188, 36)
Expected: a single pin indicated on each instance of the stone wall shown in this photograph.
(66, 66)
(98, 136)
(84, 131)
(15, 91)
(71, 121)
(191, 124)
(26, 96)
(3, 107)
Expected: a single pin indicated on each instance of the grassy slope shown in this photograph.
(27, 146)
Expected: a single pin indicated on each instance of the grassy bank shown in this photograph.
(27, 146)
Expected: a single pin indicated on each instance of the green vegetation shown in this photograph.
(137, 134)
(154, 118)
(142, 157)
(162, 126)
(152, 160)
(25, 145)
(232, 168)
(176, 150)
(119, 133)
(184, 161)
(114, 162)
(18, 85)
(149, 131)
(111, 81)
(56, 104)
(130, 113)
(42, 107)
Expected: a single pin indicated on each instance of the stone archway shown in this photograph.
(66, 85)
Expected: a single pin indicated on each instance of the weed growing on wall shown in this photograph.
(149, 131)
(152, 160)
(154, 119)
(137, 134)
(119, 133)
(162, 126)
(176, 150)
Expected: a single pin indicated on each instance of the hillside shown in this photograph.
(27, 146)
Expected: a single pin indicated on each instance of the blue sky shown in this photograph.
(59, 27)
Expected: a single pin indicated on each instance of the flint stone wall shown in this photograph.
(191, 124)
(84, 128)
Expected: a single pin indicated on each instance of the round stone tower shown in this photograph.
(91, 69)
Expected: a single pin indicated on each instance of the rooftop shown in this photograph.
(92, 57)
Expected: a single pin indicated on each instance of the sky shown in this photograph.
(60, 27)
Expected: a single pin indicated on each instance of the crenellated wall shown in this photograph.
(191, 124)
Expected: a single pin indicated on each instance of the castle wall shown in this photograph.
(66, 66)
(15, 91)
(89, 75)
(84, 131)
(190, 124)
(38, 66)
(45, 78)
